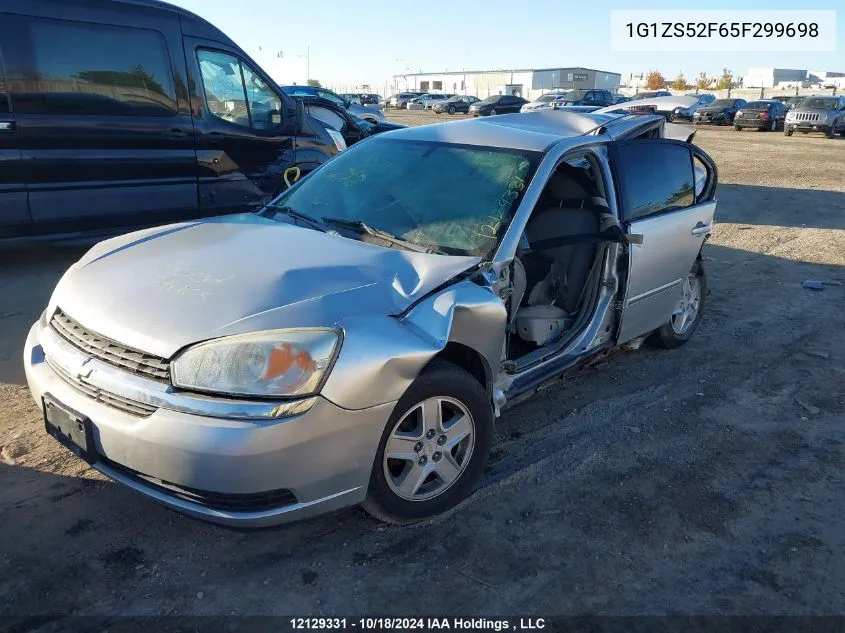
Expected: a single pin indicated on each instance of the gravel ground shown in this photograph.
(706, 480)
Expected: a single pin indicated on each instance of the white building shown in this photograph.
(527, 83)
(771, 77)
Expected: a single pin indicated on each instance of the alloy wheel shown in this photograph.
(688, 305)
(429, 448)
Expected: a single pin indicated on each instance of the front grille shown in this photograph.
(132, 407)
(109, 351)
(227, 502)
(806, 116)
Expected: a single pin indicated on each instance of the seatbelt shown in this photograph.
(612, 234)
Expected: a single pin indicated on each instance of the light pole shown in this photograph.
(307, 57)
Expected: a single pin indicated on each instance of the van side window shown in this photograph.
(235, 93)
(4, 99)
(66, 67)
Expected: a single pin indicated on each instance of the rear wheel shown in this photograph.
(688, 311)
(434, 448)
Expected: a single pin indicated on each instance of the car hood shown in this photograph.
(161, 289)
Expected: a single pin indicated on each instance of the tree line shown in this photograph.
(656, 81)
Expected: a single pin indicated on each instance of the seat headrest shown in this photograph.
(564, 185)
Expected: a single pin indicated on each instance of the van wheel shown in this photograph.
(434, 448)
(688, 311)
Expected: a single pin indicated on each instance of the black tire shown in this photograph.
(666, 337)
(493, 112)
(737, 128)
(670, 117)
(787, 132)
(451, 109)
(439, 378)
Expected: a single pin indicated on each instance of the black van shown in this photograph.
(125, 113)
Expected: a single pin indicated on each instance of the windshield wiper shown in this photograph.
(384, 235)
(314, 223)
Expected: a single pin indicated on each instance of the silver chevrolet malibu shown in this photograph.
(354, 341)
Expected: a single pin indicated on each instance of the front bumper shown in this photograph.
(807, 126)
(715, 119)
(205, 466)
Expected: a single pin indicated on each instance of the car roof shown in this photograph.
(531, 131)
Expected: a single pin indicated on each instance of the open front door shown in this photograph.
(662, 199)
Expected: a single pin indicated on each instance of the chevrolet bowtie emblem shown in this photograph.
(83, 369)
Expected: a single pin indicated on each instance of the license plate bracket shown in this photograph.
(72, 429)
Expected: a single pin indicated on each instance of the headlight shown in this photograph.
(267, 364)
(337, 137)
(790, 115)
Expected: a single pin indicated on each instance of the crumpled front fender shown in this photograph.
(380, 357)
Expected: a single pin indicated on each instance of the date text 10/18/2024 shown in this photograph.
(417, 624)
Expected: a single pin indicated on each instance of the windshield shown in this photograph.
(546, 99)
(491, 99)
(455, 99)
(816, 103)
(452, 199)
(643, 95)
(722, 103)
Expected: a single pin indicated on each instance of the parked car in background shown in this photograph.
(454, 105)
(428, 101)
(355, 340)
(791, 102)
(369, 98)
(351, 97)
(497, 104)
(370, 114)
(817, 114)
(599, 98)
(617, 99)
(352, 128)
(541, 102)
(764, 115)
(651, 94)
(144, 114)
(686, 113)
(664, 106)
(719, 112)
(401, 100)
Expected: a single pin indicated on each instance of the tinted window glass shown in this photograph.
(328, 94)
(4, 101)
(64, 67)
(654, 176)
(759, 105)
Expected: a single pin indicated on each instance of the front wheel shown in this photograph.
(451, 109)
(493, 112)
(787, 132)
(688, 310)
(434, 448)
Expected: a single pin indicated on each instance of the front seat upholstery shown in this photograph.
(571, 215)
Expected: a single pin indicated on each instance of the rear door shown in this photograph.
(102, 116)
(657, 198)
(13, 206)
(242, 148)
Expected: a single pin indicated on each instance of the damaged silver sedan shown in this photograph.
(354, 341)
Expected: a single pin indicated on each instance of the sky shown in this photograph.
(351, 43)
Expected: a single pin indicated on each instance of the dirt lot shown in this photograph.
(706, 480)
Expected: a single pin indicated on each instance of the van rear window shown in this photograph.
(66, 67)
